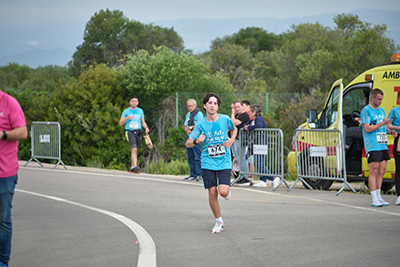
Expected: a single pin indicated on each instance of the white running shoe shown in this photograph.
(229, 195)
(218, 227)
(383, 202)
(260, 184)
(397, 201)
(276, 182)
(376, 203)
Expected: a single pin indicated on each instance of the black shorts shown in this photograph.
(133, 139)
(378, 156)
(210, 177)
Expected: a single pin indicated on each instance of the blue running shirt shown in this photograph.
(135, 123)
(373, 116)
(214, 156)
(395, 115)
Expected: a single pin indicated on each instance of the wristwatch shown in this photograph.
(4, 136)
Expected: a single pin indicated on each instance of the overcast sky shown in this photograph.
(37, 11)
(27, 25)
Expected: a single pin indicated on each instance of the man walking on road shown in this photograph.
(133, 119)
(374, 123)
(12, 129)
(193, 153)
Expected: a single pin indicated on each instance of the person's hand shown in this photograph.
(228, 142)
(386, 121)
(187, 130)
(394, 134)
(130, 117)
(246, 128)
(201, 138)
(147, 130)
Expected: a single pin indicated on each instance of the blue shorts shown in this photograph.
(213, 178)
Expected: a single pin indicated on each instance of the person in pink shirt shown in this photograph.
(12, 129)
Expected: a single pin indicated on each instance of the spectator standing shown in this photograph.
(216, 161)
(239, 117)
(193, 153)
(133, 119)
(12, 129)
(257, 121)
(374, 123)
(246, 105)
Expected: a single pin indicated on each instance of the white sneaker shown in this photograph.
(260, 184)
(229, 195)
(383, 202)
(376, 203)
(218, 227)
(397, 201)
(276, 182)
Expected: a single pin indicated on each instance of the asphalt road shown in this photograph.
(85, 217)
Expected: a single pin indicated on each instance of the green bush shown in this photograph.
(175, 167)
(174, 147)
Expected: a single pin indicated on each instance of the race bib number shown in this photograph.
(216, 151)
(133, 125)
(381, 138)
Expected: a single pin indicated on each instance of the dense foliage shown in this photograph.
(254, 38)
(88, 111)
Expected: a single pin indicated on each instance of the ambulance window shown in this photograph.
(332, 107)
(356, 99)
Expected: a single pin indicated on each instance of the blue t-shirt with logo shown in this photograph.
(395, 115)
(214, 156)
(135, 123)
(373, 140)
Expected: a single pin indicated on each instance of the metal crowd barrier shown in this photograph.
(261, 150)
(320, 155)
(46, 142)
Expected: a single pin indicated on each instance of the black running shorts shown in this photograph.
(213, 178)
(378, 156)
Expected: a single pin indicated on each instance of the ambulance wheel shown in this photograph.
(314, 166)
(385, 186)
(319, 183)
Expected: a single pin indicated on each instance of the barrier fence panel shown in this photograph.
(320, 155)
(46, 142)
(261, 153)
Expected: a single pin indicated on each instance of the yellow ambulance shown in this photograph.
(342, 111)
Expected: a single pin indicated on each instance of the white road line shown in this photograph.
(147, 248)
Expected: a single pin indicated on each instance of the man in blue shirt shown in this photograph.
(193, 153)
(374, 123)
(133, 119)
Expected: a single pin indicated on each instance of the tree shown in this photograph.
(48, 79)
(254, 38)
(109, 37)
(88, 111)
(243, 71)
(13, 76)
